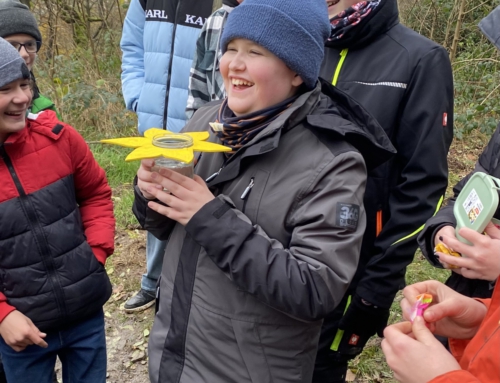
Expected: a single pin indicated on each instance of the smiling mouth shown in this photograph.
(14, 114)
(241, 84)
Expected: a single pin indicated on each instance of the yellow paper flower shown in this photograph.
(144, 147)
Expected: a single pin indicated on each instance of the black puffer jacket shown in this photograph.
(405, 81)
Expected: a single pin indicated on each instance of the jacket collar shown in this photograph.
(44, 123)
(383, 18)
(342, 115)
(328, 108)
(324, 108)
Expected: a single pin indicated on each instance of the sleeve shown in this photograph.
(307, 277)
(422, 140)
(458, 376)
(132, 46)
(198, 86)
(488, 160)
(155, 223)
(93, 196)
(5, 308)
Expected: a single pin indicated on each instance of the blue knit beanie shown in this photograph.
(293, 30)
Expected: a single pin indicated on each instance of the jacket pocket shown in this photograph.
(278, 353)
(252, 190)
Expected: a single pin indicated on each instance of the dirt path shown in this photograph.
(127, 334)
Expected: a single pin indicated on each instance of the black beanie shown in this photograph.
(15, 17)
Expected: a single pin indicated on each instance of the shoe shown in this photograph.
(140, 302)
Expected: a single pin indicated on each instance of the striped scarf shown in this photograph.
(351, 17)
(237, 131)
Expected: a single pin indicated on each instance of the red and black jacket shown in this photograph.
(56, 225)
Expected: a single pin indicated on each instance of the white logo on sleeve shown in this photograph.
(347, 215)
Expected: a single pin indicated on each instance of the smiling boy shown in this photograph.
(56, 231)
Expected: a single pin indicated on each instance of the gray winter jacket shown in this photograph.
(246, 283)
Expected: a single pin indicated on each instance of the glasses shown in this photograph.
(30, 46)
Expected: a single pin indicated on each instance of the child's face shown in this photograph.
(255, 78)
(21, 38)
(337, 6)
(15, 99)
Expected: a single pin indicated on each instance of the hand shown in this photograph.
(450, 314)
(447, 231)
(359, 323)
(479, 261)
(414, 354)
(144, 180)
(185, 196)
(18, 331)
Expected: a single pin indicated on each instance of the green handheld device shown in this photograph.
(476, 204)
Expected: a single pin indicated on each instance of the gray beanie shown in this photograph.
(12, 65)
(15, 17)
(293, 30)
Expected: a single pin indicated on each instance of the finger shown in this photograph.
(422, 333)
(171, 185)
(179, 179)
(386, 348)
(477, 240)
(436, 312)
(445, 231)
(457, 261)
(147, 163)
(36, 339)
(492, 230)
(403, 327)
(412, 291)
(161, 195)
(471, 274)
(161, 209)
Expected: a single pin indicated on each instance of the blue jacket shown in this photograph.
(158, 44)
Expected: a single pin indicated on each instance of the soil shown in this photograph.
(127, 334)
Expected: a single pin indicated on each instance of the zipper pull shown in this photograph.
(213, 176)
(246, 192)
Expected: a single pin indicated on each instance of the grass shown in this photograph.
(120, 177)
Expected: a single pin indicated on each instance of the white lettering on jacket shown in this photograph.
(192, 19)
(156, 14)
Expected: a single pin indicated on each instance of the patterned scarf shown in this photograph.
(351, 17)
(235, 132)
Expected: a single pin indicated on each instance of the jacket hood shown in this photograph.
(354, 123)
(490, 26)
(383, 18)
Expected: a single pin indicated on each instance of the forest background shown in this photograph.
(79, 69)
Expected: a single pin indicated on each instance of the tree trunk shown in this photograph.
(458, 27)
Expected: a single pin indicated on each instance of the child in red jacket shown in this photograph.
(56, 231)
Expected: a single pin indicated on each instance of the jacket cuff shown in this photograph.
(5, 309)
(212, 210)
(100, 254)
